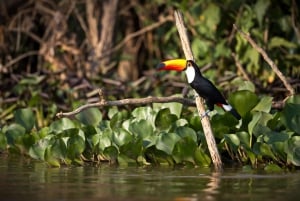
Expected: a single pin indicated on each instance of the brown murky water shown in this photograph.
(23, 180)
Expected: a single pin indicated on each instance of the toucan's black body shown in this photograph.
(208, 91)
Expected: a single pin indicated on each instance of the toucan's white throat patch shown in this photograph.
(190, 74)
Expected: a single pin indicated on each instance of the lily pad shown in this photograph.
(91, 116)
(141, 129)
(61, 125)
(14, 133)
(293, 150)
(25, 117)
(166, 142)
(232, 140)
(264, 105)
(243, 101)
(165, 119)
(290, 117)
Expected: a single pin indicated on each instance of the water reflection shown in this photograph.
(24, 180)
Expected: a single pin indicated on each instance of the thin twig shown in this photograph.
(82, 23)
(20, 57)
(267, 59)
(28, 33)
(128, 101)
(211, 143)
(240, 67)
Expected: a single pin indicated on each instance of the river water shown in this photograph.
(22, 179)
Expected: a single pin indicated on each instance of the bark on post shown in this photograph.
(211, 143)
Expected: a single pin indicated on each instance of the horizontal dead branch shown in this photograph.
(128, 101)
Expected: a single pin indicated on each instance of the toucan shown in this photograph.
(205, 88)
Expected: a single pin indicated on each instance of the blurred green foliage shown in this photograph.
(161, 134)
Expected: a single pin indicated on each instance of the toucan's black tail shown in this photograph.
(230, 109)
(235, 114)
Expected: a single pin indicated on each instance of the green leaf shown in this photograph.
(94, 140)
(175, 108)
(222, 124)
(246, 18)
(142, 113)
(30, 139)
(31, 80)
(260, 9)
(111, 153)
(75, 145)
(263, 149)
(14, 134)
(91, 116)
(246, 86)
(276, 42)
(181, 122)
(50, 159)
(232, 140)
(43, 132)
(243, 101)
(264, 105)
(59, 149)
(272, 136)
(200, 47)
(294, 99)
(290, 117)
(142, 128)
(251, 156)
(37, 151)
(254, 122)
(195, 123)
(184, 131)
(61, 125)
(90, 130)
(105, 140)
(166, 142)
(273, 168)
(121, 137)
(244, 138)
(293, 150)
(261, 131)
(280, 149)
(211, 16)
(252, 59)
(112, 111)
(3, 141)
(149, 141)
(184, 150)
(132, 149)
(221, 49)
(117, 120)
(25, 118)
(165, 119)
(201, 158)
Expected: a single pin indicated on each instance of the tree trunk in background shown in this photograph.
(128, 67)
(101, 33)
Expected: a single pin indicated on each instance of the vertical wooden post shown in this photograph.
(211, 143)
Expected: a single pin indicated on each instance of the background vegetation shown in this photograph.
(54, 55)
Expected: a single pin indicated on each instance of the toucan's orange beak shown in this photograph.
(174, 64)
